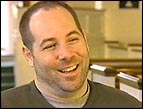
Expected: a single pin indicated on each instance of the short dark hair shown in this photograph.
(24, 28)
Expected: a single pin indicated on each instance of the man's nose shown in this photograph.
(65, 53)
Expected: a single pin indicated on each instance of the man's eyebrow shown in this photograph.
(46, 40)
(73, 32)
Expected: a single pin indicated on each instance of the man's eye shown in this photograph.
(73, 40)
(50, 47)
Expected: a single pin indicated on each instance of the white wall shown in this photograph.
(124, 25)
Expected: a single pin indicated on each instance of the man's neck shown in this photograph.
(47, 90)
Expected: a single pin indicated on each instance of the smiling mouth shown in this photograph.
(69, 69)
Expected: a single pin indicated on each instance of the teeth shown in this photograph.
(69, 69)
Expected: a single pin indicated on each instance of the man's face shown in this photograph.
(60, 54)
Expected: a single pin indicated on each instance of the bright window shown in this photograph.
(5, 30)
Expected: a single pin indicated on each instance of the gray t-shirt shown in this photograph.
(75, 103)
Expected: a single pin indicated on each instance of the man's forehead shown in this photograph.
(45, 20)
(43, 11)
(51, 16)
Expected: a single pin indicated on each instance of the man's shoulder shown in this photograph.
(25, 96)
(112, 95)
(101, 88)
(16, 90)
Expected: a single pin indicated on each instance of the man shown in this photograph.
(55, 45)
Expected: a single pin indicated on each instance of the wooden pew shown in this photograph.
(129, 66)
(131, 84)
(104, 75)
(116, 62)
(130, 71)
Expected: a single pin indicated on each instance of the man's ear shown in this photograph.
(28, 55)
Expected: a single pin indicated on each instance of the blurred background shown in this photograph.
(114, 34)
